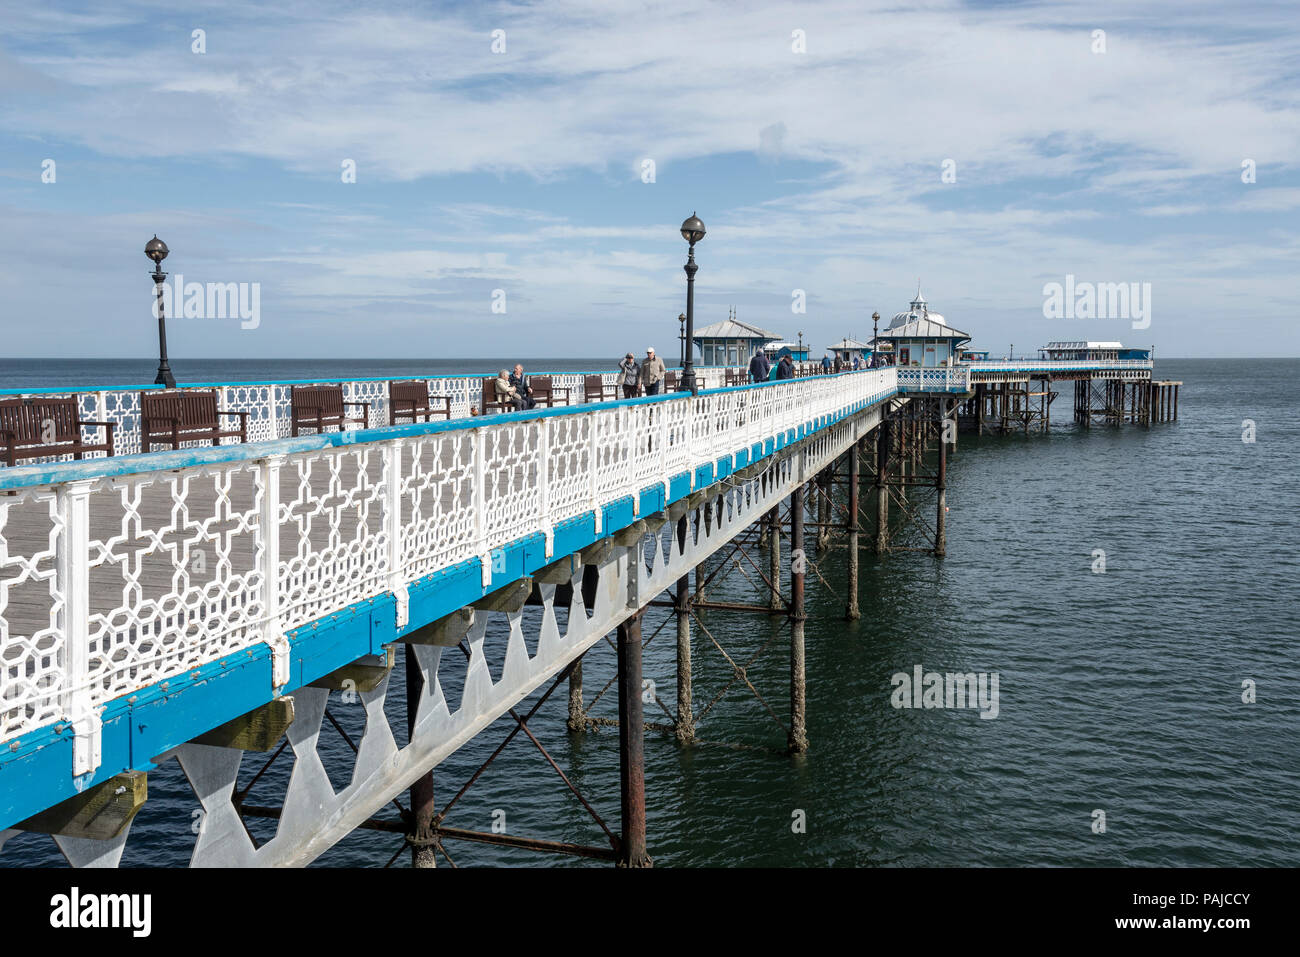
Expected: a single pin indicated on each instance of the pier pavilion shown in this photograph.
(204, 603)
(731, 342)
(848, 349)
(919, 338)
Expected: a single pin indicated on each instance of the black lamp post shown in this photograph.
(875, 334)
(692, 232)
(156, 250)
(681, 340)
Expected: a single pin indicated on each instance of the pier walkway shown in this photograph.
(150, 603)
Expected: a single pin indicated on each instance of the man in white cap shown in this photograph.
(652, 372)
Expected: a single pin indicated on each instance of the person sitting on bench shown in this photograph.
(520, 383)
(506, 392)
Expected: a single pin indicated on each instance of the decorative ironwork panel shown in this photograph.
(333, 536)
(174, 570)
(33, 666)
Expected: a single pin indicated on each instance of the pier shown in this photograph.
(202, 603)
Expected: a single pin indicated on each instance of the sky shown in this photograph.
(522, 171)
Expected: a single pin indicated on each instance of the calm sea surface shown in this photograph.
(1119, 692)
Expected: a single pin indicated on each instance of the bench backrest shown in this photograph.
(416, 390)
(490, 396)
(541, 385)
(593, 387)
(28, 418)
(196, 409)
(327, 398)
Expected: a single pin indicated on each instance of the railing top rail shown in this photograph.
(54, 473)
(332, 377)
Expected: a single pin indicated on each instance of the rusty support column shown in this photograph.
(774, 557)
(941, 485)
(824, 514)
(577, 709)
(421, 794)
(851, 611)
(956, 415)
(685, 724)
(631, 746)
(798, 737)
(882, 493)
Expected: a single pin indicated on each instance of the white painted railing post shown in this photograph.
(594, 453)
(480, 503)
(665, 430)
(692, 404)
(73, 551)
(544, 484)
(224, 403)
(269, 522)
(393, 526)
(101, 415)
(626, 418)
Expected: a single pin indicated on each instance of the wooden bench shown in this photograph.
(670, 381)
(490, 402)
(544, 392)
(321, 406)
(411, 400)
(34, 427)
(173, 416)
(595, 390)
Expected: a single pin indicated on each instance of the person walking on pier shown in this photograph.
(652, 372)
(826, 363)
(759, 367)
(785, 368)
(630, 376)
(525, 391)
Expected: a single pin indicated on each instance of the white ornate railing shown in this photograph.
(117, 574)
(268, 403)
(939, 379)
(961, 377)
(1056, 365)
(1000, 370)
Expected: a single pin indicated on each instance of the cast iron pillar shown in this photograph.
(798, 737)
(882, 493)
(685, 724)
(421, 794)
(851, 611)
(631, 746)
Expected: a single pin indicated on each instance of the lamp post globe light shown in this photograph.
(692, 232)
(875, 333)
(681, 340)
(157, 250)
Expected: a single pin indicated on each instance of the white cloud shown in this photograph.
(1067, 160)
